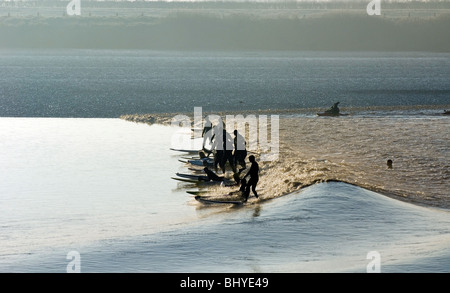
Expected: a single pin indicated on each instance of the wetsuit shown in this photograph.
(254, 178)
(212, 176)
(240, 153)
(227, 153)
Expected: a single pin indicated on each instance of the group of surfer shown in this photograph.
(225, 150)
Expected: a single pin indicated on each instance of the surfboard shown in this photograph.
(193, 177)
(197, 192)
(226, 183)
(184, 151)
(190, 158)
(200, 162)
(185, 180)
(196, 170)
(205, 199)
(331, 114)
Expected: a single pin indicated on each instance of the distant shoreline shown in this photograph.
(196, 30)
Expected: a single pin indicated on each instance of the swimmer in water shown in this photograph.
(389, 164)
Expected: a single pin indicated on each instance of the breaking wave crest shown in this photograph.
(355, 149)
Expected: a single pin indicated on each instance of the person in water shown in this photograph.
(254, 178)
(389, 164)
(334, 109)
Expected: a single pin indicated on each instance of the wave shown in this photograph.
(355, 149)
(328, 227)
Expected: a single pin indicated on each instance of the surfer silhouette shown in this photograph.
(217, 144)
(227, 152)
(212, 176)
(207, 133)
(240, 152)
(334, 109)
(254, 178)
(242, 189)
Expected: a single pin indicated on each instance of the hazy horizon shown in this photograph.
(227, 25)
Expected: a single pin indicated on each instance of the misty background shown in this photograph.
(227, 25)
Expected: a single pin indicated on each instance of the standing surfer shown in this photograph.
(254, 177)
(207, 133)
(240, 152)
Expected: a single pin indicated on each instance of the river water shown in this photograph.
(75, 177)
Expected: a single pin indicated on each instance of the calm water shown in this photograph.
(74, 180)
(85, 83)
(102, 186)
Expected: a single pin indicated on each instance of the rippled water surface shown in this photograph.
(103, 187)
(356, 150)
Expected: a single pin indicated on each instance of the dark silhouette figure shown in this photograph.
(242, 189)
(207, 133)
(217, 145)
(240, 152)
(389, 163)
(227, 153)
(212, 176)
(243, 185)
(254, 178)
(334, 110)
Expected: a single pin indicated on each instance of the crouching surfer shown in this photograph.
(241, 190)
(212, 176)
